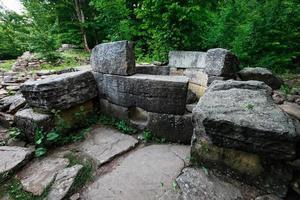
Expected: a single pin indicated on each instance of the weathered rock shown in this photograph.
(187, 59)
(155, 167)
(292, 109)
(197, 184)
(191, 97)
(99, 77)
(4, 136)
(29, 121)
(242, 115)
(268, 175)
(63, 182)
(37, 176)
(152, 69)
(196, 76)
(173, 128)
(113, 110)
(114, 58)
(198, 90)
(104, 143)
(190, 107)
(12, 103)
(12, 159)
(17, 104)
(221, 62)
(153, 93)
(278, 99)
(60, 92)
(268, 197)
(6, 120)
(261, 74)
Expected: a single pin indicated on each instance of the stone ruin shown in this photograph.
(236, 128)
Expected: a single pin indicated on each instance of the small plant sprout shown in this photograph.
(249, 106)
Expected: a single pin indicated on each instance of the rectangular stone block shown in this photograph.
(99, 77)
(152, 69)
(113, 110)
(114, 58)
(196, 76)
(153, 93)
(29, 122)
(187, 59)
(198, 90)
(60, 92)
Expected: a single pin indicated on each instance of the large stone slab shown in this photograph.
(221, 62)
(197, 184)
(63, 182)
(153, 93)
(60, 92)
(260, 74)
(105, 143)
(187, 59)
(145, 174)
(114, 58)
(243, 116)
(12, 159)
(152, 69)
(37, 176)
(29, 121)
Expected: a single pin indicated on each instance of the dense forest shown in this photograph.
(263, 33)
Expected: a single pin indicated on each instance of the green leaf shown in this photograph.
(52, 136)
(39, 152)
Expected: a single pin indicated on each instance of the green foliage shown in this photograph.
(7, 64)
(121, 125)
(148, 137)
(285, 89)
(249, 106)
(14, 133)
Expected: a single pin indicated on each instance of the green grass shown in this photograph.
(6, 66)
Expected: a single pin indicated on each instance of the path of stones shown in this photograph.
(125, 168)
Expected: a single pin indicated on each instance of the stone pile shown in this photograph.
(154, 102)
(28, 61)
(241, 131)
(65, 93)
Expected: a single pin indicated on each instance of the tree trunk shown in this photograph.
(81, 19)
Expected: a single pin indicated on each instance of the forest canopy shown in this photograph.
(262, 33)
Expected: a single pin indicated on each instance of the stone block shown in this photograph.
(113, 110)
(187, 59)
(196, 76)
(29, 121)
(152, 69)
(114, 58)
(221, 62)
(243, 116)
(198, 90)
(153, 93)
(60, 92)
(99, 77)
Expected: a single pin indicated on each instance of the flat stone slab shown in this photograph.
(147, 173)
(197, 184)
(37, 176)
(187, 59)
(292, 109)
(243, 116)
(63, 182)
(13, 158)
(105, 143)
(61, 91)
(153, 93)
(114, 58)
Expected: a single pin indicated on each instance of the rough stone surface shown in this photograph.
(145, 174)
(113, 110)
(198, 90)
(6, 120)
(61, 91)
(152, 69)
(187, 59)
(242, 115)
(37, 176)
(4, 136)
(190, 107)
(173, 128)
(197, 184)
(114, 58)
(268, 197)
(63, 182)
(292, 109)
(261, 74)
(99, 77)
(105, 143)
(196, 76)
(28, 121)
(153, 93)
(13, 158)
(11, 104)
(221, 62)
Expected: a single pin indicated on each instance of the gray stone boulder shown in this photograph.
(12, 159)
(221, 62)
(114, 58)
(60, 92)
(260, 74)
(29, 121)
(243, 116)
(187, 59)
(198, 184)
(153, 93)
